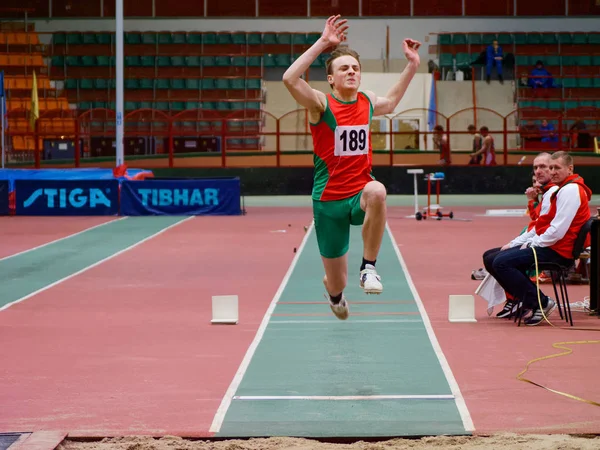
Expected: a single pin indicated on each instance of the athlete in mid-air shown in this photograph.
(344, 191)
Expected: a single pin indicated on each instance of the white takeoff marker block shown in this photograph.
(224, 309)
(461, 308)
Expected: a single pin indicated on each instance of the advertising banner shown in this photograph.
(185, 197)
(67, 197)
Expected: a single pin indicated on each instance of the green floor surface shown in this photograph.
(29, 272)
(383, 349)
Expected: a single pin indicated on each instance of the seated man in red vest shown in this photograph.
(553, 238)
(542, 178)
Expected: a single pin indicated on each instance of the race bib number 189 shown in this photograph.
(351, 140)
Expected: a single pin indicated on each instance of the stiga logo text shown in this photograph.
(69, 198)
(179, 197)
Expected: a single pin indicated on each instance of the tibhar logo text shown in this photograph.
(179, 197)
(69, 198)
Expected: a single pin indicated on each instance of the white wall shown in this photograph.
(415, 98)
(367, 36)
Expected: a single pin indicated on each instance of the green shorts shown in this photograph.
(332, 224)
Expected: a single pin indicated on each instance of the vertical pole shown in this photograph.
(223, 143)
(36, 144)
(387, 48)
(429, 195)
(3, 120)
(416, 185)
(171, 149)
(391, 144)
(505, 141)
(77, 144)
(278, 144)
(474, 96)
(119, 81)
(391, 154)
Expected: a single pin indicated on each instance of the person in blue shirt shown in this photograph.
(540, 77)
(548, 132)
(494, 57)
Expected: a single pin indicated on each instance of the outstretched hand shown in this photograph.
(411, 50)
(335, 31)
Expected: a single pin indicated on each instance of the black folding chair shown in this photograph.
(559, 274)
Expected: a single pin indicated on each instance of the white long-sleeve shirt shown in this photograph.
(529, 235)
(568, 201)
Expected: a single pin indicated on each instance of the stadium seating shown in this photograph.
(169, 71)
(572, 58)
(22, 56)
(220, 73)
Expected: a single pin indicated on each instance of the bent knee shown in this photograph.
(375, 192)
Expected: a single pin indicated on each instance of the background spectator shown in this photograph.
(548, 132)
(540, 77)
(477, 143)
(440, 141)
(494, 57)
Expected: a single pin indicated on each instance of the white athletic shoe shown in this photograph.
(341, 309)
(370, 281)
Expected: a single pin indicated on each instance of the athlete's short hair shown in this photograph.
(335, 54)
(566, 157)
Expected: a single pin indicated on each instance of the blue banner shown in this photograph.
(214, 196)
(4, 205)
(67, 197)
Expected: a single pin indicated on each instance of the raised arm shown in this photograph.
(312, 99)
(387, 104)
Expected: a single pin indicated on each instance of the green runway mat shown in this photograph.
(376, 374)
(29, 272)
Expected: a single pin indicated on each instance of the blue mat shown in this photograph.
(61, 174)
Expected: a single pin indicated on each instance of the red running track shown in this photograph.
(487, 356)
(127, 347)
